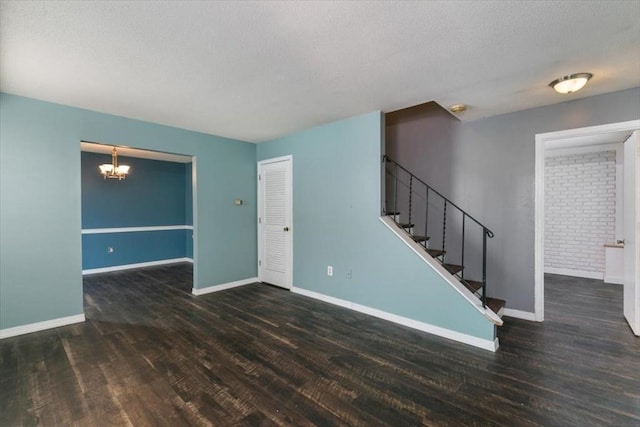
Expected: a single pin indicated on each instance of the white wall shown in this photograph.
(580, 204)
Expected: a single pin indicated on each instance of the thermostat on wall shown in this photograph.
(237, 202)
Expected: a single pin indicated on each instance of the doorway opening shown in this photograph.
(144, 220)
(603, 139)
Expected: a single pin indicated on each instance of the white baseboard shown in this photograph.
(421, 326)
(41, 326)
(575, 273)
(222, 287)
(137, 265)
(519, 314)
(614, 280)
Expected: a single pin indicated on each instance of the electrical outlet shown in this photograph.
(348, 274)
(109, 250)
(329, 270)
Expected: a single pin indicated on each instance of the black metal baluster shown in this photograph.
(426, 218)
(383, 191)
(444, 228)
(410, 195)
(484, 267)
(395, 193)
(462, 261)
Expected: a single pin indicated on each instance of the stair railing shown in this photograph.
(446, 204)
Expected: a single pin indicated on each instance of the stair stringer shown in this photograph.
(438, 268)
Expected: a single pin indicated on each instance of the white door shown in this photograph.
(275, 235)
(631, 220)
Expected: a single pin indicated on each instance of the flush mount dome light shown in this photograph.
(570, 84)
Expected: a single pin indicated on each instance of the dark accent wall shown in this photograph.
(153, 194)
(156, 193)
(487, 167)
(132, 248)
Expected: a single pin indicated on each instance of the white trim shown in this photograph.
(538, 241)
(583, 150)
(519, 314)
(421, 326)
(575, 273)
(448, 277)
(222, 287)
(613, 280)
(135, 229)
(41, 326)
(620, 193)
(540, 140)
(137, 265)
(276, 160)
(194, 219)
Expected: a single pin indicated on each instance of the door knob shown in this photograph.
(286, 229)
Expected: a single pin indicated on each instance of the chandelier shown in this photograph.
(113, 170)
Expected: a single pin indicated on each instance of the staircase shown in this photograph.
(447, 233)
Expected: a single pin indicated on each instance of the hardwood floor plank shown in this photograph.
(151, 353)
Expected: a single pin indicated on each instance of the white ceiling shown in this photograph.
(259, 70)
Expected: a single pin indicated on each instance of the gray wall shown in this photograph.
(487, 168)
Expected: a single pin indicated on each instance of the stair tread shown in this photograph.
(405, 225)
(420, 238)
(496, 305)
(435, 252)
(453, 268)
(473, 285)
(392, 213)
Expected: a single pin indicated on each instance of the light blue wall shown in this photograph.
(40, 213)
(336, 206)
(154, 194)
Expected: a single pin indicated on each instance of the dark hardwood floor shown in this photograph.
(150, 353)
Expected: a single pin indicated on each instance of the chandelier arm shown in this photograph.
(114, 159)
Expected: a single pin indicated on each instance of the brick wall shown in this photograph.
(580, 208)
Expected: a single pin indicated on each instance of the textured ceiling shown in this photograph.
(258, 70)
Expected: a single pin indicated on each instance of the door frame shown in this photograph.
(541, 140)
(634, 275)
(261, 163)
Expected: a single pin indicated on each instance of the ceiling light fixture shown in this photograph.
(570, 84)
(113, 170)
(457, 108)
